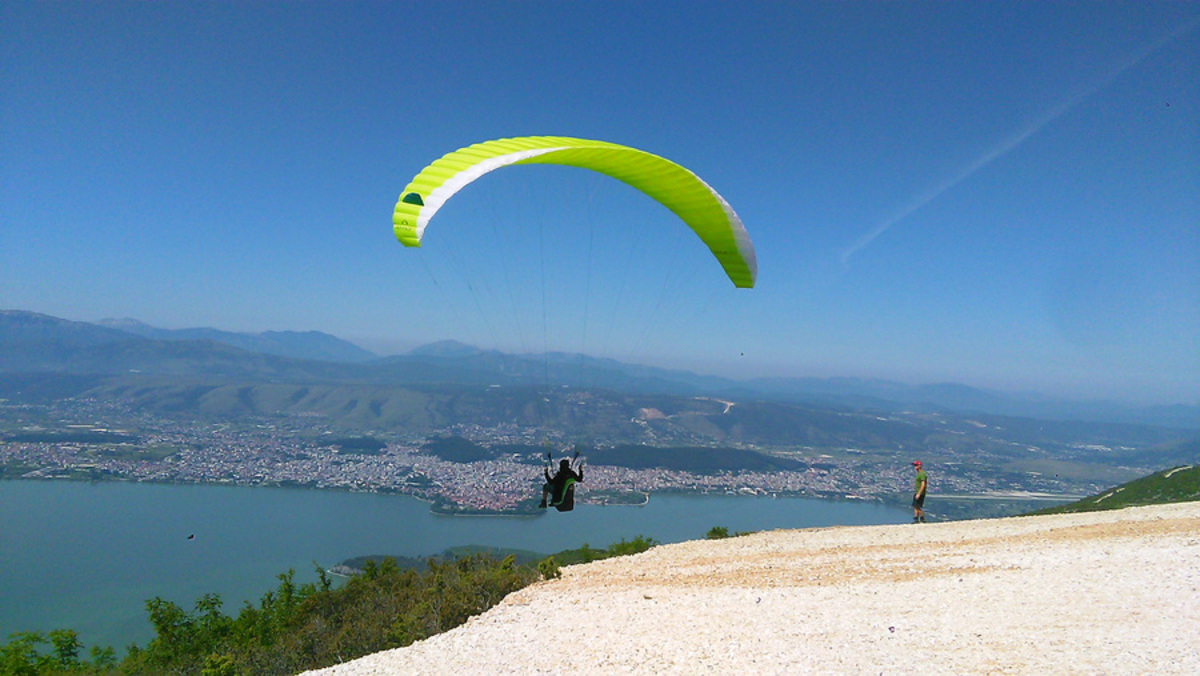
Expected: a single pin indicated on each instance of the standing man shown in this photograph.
(919, 485)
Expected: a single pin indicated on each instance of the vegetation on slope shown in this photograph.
(1178, 484)
(300, 627)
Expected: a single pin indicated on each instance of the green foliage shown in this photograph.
(721, 532)
(456, 449)
(299, 627)
(154, 453)
(635, 546)
(549, 568)
(180, 637)
(26, 654)
(586, 554)
(219, 665)
(66, 648)
(20, 655)
(103, 659)
(357, 445)
(1178, 484)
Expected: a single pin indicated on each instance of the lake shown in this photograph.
(86, 556)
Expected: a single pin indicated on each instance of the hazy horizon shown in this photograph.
(667, 363)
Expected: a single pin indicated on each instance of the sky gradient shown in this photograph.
(1004, 194)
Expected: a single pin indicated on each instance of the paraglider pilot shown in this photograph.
(556, 486)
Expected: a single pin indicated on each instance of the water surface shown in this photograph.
(87, 556)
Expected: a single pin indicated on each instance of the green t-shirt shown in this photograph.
(921, 479)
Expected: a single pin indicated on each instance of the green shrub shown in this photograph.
(549, 568)
(23, 655)
(635, 546)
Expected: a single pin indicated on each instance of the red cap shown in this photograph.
(917, 463)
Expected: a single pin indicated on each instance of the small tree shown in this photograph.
(66, 648)
(549, 569)
(19, 656)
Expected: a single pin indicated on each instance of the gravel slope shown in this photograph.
(1104, 592)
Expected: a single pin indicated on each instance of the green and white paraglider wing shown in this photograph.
(673, 186)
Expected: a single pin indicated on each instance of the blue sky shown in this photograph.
(1005, 194)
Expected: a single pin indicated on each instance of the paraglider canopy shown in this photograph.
(675, 187)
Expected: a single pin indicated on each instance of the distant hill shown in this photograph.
(31, 342)
(311, 345)
(596, 415)
(35, 343)
(967, 399)
(446, 348)
(1178, 484)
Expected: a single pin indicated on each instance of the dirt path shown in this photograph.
(1109, 592)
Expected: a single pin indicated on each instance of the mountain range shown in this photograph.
(295, 344)
(32, 343)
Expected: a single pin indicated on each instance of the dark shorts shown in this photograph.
(919, 501)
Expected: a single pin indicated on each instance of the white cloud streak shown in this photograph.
(1016, 139)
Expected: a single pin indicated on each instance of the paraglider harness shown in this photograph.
(562, 488)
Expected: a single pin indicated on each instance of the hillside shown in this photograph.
(1099, 592)
(1178, 484)
(33, 344)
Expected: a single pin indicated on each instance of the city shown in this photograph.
(92, 440)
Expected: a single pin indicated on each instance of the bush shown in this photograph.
(23, 655)
(635, 546)
(549, 568)
(721, 532)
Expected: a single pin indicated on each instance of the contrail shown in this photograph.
(1015, 140)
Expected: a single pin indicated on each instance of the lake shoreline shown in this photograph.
(857, 600)
(74, 543)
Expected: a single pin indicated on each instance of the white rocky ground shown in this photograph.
(1110, 592)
